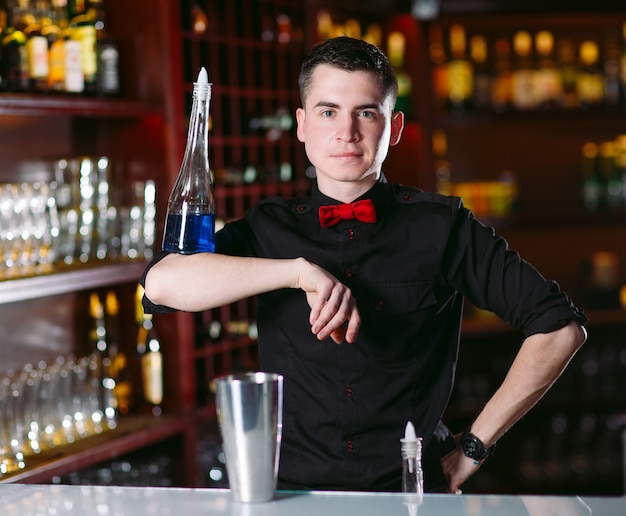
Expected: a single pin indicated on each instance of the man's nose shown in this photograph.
(348, 129)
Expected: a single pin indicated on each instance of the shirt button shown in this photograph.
(379, 306)
(348, 391)
(350, 445)
(351, 234)
(348, 273)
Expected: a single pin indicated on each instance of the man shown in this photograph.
(359, 306)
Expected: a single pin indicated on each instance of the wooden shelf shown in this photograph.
(133, 433)
(42, 105)
(70, 279)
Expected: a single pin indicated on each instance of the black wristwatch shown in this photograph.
(474, 448)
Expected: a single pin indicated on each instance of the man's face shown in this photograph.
(347, 125)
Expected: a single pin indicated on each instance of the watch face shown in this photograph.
(473, 448)
(469, 447)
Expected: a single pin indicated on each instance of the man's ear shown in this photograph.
(397, 126)
(300, 124)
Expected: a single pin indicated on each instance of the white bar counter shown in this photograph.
(58, 500)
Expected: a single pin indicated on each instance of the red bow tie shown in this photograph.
(359, 210)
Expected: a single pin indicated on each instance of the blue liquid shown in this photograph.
(190, 234)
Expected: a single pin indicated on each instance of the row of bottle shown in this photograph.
(524, 70)
(57, 46)
(131, 394)
(266, 26)
(487, 199)
(604, 174)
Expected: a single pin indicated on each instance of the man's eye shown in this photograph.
(327, 112)
(367, 114)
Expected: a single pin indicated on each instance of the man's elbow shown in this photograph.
(582, 334)
(577, 335)
(155, 287)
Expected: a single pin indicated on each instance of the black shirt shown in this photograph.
(346, 406)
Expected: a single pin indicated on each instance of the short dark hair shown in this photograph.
(351, 55)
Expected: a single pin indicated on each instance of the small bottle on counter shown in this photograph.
(412, 475)
(190, 223)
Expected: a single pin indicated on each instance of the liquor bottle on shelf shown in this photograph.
(566, 63)
(14, 54)
(523, 85)
(56, 45)
(74, 80)
(283, 29)
(199, 19)
(373, 34)
(592, 185)
(107, 52)
(190, 222)
(439, 61)
(482, 74)
(460, 71)
(3, 29)
(117, 378)
(442, 165)
(98, 333)
(100, 347)
(590, 80)
(83, 30)
(620, 164)
(396, 46)
(37, 49)
(548, 87)
(501, 93)
(610, 69)
(151, 359)
(622, 66)
(611, 176)
(324, 25)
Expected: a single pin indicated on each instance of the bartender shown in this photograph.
(360, 291)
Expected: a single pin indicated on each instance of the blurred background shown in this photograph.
(517, 107)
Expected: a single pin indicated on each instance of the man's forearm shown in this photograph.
(540, 361)
(206, 280)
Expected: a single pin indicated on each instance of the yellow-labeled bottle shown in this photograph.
(482, 74)
(83, 30)
(439, 63)
(522, 78)
(590, 80)
(396, 47)
(460, 70)
(501, 93)
(548, 81)
(151, 358)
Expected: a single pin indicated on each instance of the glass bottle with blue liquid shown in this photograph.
(190, 222)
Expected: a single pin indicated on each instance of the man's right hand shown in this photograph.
(334, 312)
